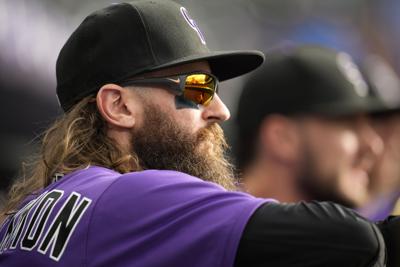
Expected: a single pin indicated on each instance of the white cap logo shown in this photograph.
(193, 24)
(352, 73)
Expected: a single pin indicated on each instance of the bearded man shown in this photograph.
(115, 183)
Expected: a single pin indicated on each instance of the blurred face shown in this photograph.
(338, 155)
(182, 139)
(385, 175)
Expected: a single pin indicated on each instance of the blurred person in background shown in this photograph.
(384, 188)
(384, 185)
(304, 133)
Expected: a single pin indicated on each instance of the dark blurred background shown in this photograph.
(32, 33)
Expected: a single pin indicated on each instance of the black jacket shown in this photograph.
(316, 234)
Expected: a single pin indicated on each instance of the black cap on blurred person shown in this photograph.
(384, 83)
(298, 81)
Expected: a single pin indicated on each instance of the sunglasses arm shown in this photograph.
(175, 85)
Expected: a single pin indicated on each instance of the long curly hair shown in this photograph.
(75, 141)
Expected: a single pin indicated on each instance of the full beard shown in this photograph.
(164, 145)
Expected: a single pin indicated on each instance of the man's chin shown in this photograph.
(206, 147)
(360, 177)
(355, 186)
(163, 144)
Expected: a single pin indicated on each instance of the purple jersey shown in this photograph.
(97, 217)
(381, 208)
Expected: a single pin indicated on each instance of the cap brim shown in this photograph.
(369, 105)
(225, 65)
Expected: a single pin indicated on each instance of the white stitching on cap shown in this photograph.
(192, 24)
(350, 70)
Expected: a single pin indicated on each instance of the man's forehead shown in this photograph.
(185, 68)
(323, 118)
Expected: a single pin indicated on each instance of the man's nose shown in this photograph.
(216, 111)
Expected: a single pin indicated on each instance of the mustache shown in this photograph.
(214, 133)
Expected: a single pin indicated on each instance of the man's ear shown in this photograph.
(280, 138)
(113, 104)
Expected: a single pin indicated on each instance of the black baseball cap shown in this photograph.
(384, 83)
(306, 79)
(126, 39)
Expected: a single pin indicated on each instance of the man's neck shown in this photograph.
(272, 180)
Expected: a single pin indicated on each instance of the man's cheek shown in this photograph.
(349, 143)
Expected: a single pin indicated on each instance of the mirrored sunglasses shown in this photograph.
(198, 87)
